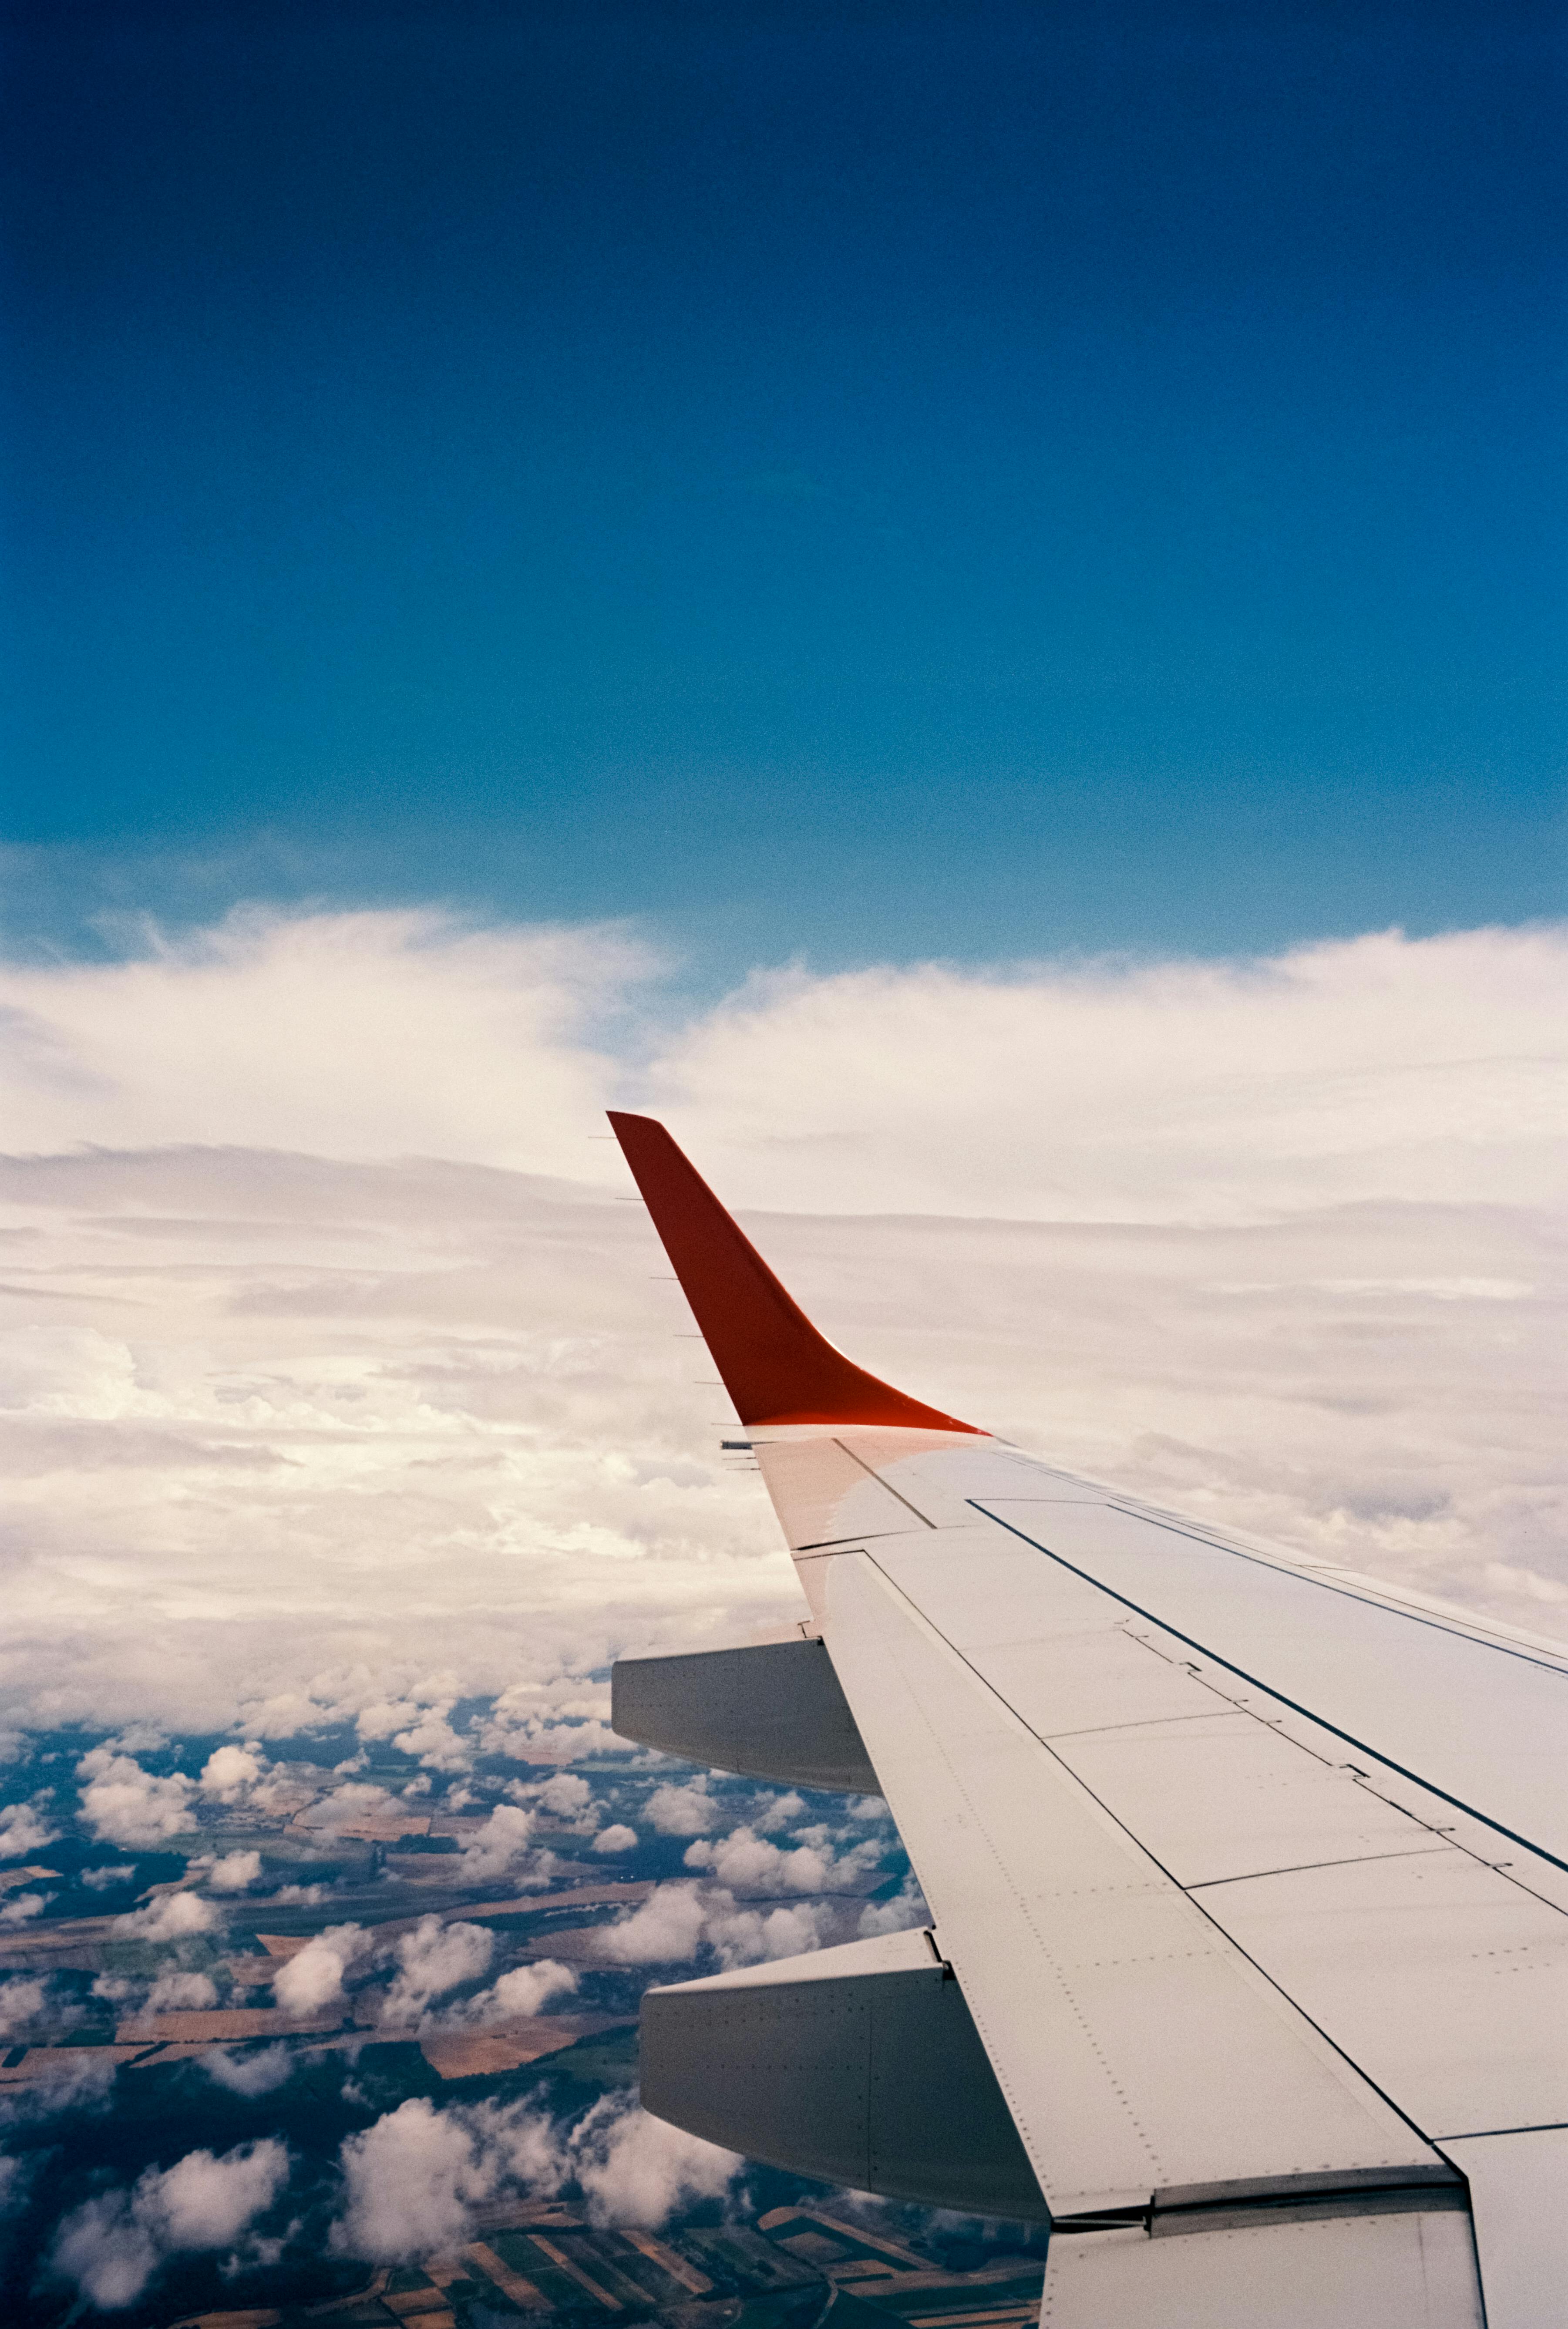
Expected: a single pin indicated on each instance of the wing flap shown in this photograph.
(1399, 2268)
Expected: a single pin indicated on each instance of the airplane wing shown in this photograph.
(1248, 1962)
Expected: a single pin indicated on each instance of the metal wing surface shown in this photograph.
(1248, 1960)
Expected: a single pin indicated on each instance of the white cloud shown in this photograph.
(905, 1911)
(676, 1920)
(433, 1959)
(568, 1795)
(686, 1810)
(346, 1806)
(617, 1838)
(230, 1771)
(412, 2180)
(312, 1980)
(23, 1906)
(778, 1812)
(175, 1991)
(634, 2169)
(748, 1863)
(111, 2246)
(1287, 1223)
(103, 2249)
(123, 1804)
(747, 1936)
(232, 1872)
(500, 1845)
(98, 1880)
(21, 2002)
(519, 1994)
(1356, 1070)
(23, 1831)
(421, 1730)
(250, 2073)
(359, 1034)
(173, 1917)
(666, 1929)
(204, 2203)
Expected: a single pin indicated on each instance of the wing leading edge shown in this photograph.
(1253, 1875)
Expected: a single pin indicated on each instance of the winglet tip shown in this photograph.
(777, 1366)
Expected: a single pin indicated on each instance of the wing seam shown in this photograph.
(1227, 1940)
(1230, 1665)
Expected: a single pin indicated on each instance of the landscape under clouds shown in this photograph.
(354, 1425)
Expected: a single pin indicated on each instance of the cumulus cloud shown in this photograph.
(666, 1929)
(232, 1872)
(617, 1838)
(176, 1991)
(747, 1862)
(418, 1730)
(174, 1917)
(903, 1913)
(526, 1990)
(747, 1936)
(500, 1845)
(412, 2180)
(230, 1772)
(516, 1996)
(98, 1880)
(21, 2002)
(123, 1804)
(634, 2169)
(431, 1960)
(311, 1981)
(250, 2073)
(23, 1906)
(110, 2247)
(23, 1831)
(346, 1806)
(677, 1921)
(687, 1810)
(568, 1795)
(1269, 1237)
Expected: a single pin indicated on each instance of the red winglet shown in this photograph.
(776, 1366)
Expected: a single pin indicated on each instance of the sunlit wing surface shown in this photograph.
(1247, 1876)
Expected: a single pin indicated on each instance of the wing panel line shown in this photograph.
(1227, 1939)
(1325, 1583)
(1271, 1690)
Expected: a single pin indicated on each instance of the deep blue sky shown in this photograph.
(855, 479)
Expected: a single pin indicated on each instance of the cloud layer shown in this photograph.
(341, 1379)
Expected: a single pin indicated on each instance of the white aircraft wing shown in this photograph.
(1247, 1876)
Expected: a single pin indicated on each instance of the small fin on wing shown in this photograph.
(775, 1365)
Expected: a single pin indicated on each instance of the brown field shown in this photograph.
(482, 2053)
(223, 2025)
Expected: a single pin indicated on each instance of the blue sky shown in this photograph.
(856, 482)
